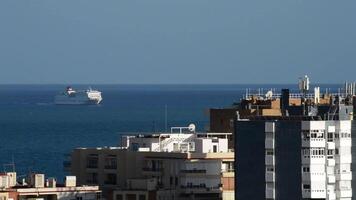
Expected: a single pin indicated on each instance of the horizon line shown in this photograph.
(170, 83)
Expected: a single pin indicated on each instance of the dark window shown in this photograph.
(110, 179)
(176, 181)
(269, 152)
(330, 137)
(92, 178)
(130, 196)
(135, 146)
(119, 197)
(215, 149)
(171, 180)
(92, 161)
(142, 197)
(306, 186)
(110, 162)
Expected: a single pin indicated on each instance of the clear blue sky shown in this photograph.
(177, 41)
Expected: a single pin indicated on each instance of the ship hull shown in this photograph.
(79, 98)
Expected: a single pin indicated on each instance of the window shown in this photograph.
(131, 196)
(119, 197)
(270, 169)
(79, 198)
(110, 179)
(135, 146)
(171, 180)
(92, 178)
(330, 152)
(306, 186)
(142, 197)
(269, 152)
(110, 162)
(176, 181)
(330, 137)
(215, 148)
(306, 169)
(92, 161)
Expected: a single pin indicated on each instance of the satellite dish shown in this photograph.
(191, 127)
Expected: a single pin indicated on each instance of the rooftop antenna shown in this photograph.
(165, 117)
(304, 88)
(11, 165)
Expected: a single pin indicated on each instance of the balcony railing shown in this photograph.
(200, 171)
(147, 169)
(110, 167)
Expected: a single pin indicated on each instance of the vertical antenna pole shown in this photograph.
(165, 118)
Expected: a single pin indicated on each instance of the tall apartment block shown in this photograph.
(304, 152)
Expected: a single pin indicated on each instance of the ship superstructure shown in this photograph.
(84, 97)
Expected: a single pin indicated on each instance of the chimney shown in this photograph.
(52, 182)
(37, 180)
(284, 101)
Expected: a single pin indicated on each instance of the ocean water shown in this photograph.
(36, 134)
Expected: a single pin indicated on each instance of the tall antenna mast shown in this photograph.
(165, 117)
(12, 164)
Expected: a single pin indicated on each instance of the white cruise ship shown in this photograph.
(72, 97)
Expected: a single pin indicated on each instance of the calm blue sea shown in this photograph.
(37, 134)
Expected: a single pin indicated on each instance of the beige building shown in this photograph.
(177, 165)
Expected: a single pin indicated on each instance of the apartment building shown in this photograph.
(181, 165)
(294, 159)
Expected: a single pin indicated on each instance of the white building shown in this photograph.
(326, 160)
(178, 142)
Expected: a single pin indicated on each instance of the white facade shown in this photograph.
(326, 159)
(176, 142)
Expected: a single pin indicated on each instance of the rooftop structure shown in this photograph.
(269, 103)
(36, 187)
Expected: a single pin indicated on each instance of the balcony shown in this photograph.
(331, 162)
(110, 167)
(344, 142)
(331, 145)
(270, 193)
(193, 172)
(152, 171)
(331, 196)
(313, 142)
(201, 188)
(346, 176)
(309, 159)
(343, 159)
(331, 179)
(269, 143)
(345, 193)
(269, 160)
(270, 177)
(306, 193)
